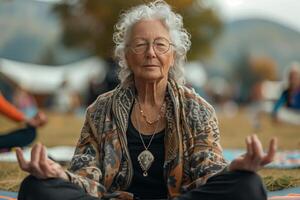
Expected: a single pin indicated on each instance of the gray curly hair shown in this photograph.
(158, 9)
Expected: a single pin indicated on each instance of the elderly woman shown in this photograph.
(150, 137)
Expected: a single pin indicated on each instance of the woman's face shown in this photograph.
(149, 53)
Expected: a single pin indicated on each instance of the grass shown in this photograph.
(65, 130)
(280, 179)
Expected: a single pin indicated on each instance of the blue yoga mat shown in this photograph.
(5, 195)
(284, 192)
(283, 159)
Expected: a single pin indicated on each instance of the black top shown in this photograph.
(152, 186)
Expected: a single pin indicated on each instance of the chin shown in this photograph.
(152, 78)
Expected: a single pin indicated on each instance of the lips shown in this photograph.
(150, 65)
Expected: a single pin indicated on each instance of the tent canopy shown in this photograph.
(42, 79)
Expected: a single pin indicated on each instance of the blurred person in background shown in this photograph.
(151, 137)
(287, 107)
(25, 102)
(256, 105)
(23, 136)
(66, 99)
(99, 86)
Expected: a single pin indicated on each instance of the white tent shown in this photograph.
(42, 79)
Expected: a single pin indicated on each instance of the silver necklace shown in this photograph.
(145, 158)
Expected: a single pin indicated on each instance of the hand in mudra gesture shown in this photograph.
(40, 165)
(255, 158)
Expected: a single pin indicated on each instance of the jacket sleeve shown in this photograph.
(84, 168)
(279, 103)
(206, 158)
(10, 110)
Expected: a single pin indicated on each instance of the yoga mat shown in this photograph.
(4, 195)
(284, 192)
(283, 159)
(59, 153)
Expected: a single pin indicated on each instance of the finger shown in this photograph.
(45, 165)
(258, 152)
(43, 154)
(249, 146)
(271, 152)
(24, 165)
(35, 153)
(35, 158)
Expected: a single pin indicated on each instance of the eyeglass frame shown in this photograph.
(148, 46)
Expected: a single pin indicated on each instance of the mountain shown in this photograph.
(256, 37)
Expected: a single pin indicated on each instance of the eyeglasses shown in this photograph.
(160, 45)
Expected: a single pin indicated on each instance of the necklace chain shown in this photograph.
(145, 158)
(145, 117)
(152, 136)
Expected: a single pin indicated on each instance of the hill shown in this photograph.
(256, 37)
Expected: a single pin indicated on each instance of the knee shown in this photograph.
(249, 180)
(27, 188)
(25, 136)
(249, 186)
(29, 136)
(33, 188)
(29, 182)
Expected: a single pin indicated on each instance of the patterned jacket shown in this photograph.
(101, 163)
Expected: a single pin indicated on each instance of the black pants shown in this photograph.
(18, 138)
(237, 185)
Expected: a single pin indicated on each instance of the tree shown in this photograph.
(251, 69)
(90, 24)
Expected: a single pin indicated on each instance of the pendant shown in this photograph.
(145, 159)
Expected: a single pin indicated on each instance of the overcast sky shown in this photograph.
(283, 11)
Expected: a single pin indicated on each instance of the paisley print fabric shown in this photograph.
(101, 163)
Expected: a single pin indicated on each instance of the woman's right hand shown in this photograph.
(40, 165)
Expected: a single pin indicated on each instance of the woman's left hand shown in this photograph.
(40, 165)
(255, 158)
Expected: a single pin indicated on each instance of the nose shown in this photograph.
(150, 52)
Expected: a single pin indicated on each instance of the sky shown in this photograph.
(283, 11)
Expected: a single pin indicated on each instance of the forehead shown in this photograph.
(149, 29)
